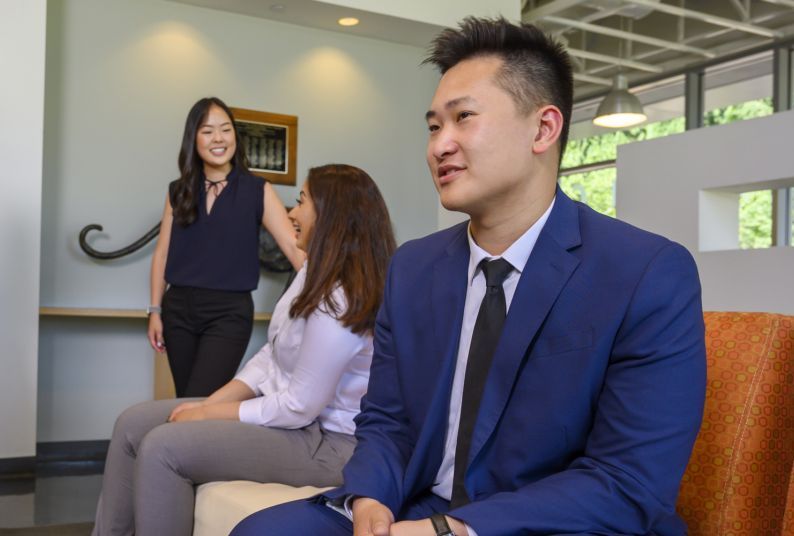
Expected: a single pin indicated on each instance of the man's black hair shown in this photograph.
(536, 69)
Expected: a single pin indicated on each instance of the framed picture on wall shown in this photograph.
(270, 142)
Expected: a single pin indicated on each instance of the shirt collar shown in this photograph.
(517, 254)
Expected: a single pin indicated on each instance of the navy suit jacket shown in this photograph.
(593, 400)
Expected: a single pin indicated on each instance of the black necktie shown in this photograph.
(484, 339)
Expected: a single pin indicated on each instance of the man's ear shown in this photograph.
(549, 122)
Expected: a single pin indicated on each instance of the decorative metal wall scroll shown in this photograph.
(271, 257)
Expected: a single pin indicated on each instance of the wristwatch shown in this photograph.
(154, 309)
(440, 525)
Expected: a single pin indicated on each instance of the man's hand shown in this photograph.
(371, 518)
(424, 527)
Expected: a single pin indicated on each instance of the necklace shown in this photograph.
(215, 186)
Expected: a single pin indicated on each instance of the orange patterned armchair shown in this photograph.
(740, 478)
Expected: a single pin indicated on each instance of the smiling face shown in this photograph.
(303, 217)
(216, 143)
(480, 145)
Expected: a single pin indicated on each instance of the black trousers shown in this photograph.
(206, 334)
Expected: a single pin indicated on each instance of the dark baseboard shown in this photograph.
(58, 458)
(62, 458)
(18, 467)
(72, 451)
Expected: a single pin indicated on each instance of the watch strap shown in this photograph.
(440, 525)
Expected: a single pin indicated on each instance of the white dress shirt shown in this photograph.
(310, 369)
(517, 255)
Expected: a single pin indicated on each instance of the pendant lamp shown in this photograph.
(619, 109)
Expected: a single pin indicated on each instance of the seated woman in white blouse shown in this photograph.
(288, 414)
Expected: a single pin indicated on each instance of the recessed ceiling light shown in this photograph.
(348, 21)
(278, 8)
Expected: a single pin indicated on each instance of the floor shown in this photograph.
(59, 493)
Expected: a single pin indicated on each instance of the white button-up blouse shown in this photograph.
(311, 368)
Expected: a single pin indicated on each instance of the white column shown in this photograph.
(22, 48)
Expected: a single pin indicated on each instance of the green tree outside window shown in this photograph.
(755, 219)
(595, 188)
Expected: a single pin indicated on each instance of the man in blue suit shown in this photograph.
(575, 413)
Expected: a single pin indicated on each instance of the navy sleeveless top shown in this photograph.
(220, 250)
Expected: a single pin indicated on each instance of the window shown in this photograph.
(733, 218)
(734, 91)
(603, 147)
(738, 112)
(755, 208)
(755, 219)
(791, 216)
(594, 188)
(595, 148)
(597, 188)
(738, 90)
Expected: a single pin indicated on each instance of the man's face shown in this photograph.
(480, 145)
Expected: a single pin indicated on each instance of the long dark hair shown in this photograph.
(184, 197)
(350, 246)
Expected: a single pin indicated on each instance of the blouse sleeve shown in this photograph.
(325, 351)
(256, 369)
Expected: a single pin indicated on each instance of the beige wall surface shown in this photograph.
(661, 184)
(22, 110)
(121, 77)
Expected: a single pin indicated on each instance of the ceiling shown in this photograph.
(644, 39)
(322, 15)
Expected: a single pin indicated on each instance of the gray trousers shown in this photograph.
(153, 466)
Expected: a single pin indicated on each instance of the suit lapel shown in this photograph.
(448, 295)
(545, 275)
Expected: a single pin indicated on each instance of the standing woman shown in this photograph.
(207, 253)
(288, 415)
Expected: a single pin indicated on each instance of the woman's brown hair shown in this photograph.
(350, 246)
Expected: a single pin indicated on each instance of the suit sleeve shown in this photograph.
(385, 443)
(648, 414)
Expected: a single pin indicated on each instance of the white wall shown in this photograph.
(121, 77)
(661, 182)
(22, 110)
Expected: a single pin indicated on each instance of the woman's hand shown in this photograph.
(184, 406)
(155, 332)
(191, 414)
(205, 410)
(157, 278)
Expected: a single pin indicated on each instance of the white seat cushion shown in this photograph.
(221, 505)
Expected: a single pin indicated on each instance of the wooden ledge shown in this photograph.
(82, 312)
